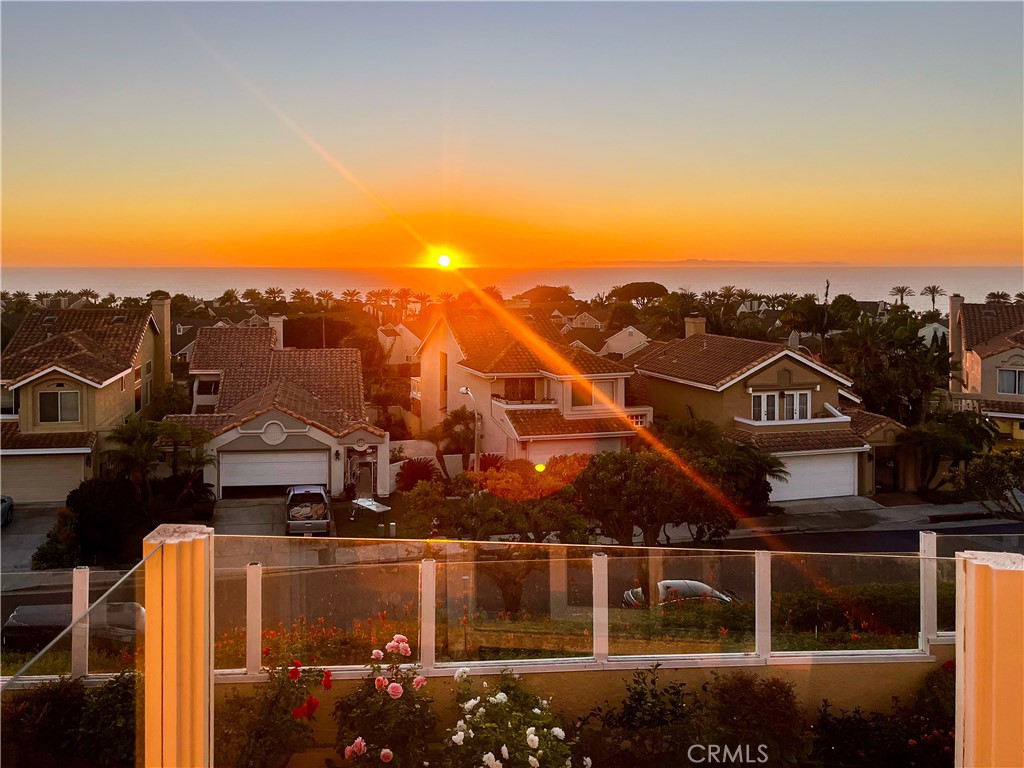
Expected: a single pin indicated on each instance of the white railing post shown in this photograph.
(253, 618)
(428, 613)
(928, 590)
(600, 571)
(80, 619)
(763, 604)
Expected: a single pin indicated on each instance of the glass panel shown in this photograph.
(946, 547)
(49, 407)
(69, 409)
(790, 406)
(770, 403)
(605, 388)
(756, 409)
(691, 603)
(582, 394)
(229, 615)
(839, 602)
(117, 623)
(513, 601)
(804, 400)
(36, 607)
(1007, 382)
(1020, 382)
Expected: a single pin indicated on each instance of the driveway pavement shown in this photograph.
(249, 517)
(25, 533)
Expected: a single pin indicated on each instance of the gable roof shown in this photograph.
(591, 338)
(1013, 339)
(550, 423)
(714, 362)
(94, 345)
(248, 363)
(866, 423)
(189, 328)
(984, 322)
(635, 358)
(796, 442)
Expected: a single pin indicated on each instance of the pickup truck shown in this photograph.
(308, 511)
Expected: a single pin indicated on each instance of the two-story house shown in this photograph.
(611, 344)
(537, 396)
(67, 378)
(283, 417)
(782, 401)
(987, 341)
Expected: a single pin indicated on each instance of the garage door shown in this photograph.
(41, 478)
(273, 468)
(541, 451)
(814, 477)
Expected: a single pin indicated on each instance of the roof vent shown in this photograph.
(120, 319)
(988, 313)
(49, 320)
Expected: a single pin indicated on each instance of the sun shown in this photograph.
(444, 260)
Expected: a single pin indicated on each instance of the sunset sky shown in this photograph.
(332, 134)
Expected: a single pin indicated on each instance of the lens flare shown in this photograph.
(540, 467)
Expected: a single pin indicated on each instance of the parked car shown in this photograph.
(675, 592)
(308, 511)
(6, 510)
(112, 627)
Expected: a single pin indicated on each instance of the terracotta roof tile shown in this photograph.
(634, 358)
(1003, 406)
(866, 423)
(591, 338)
(551, 423)
(982, 322)
(1013, 339)
(786, 442)
(73, 351)
(12, 439)
(122, 339)
(637, 390)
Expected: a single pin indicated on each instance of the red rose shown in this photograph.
(311, 705)
(326, 682)
(294, 673)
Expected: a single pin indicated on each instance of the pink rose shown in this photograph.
(419, 682)
(395, 691)
(404, 649)
(359, 747)
(381, 683)
(348, 753)
(392, 646)
(400, 639)
(386, 755)
(377, 655)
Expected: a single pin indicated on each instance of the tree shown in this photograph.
(622, 314)
(174, 398)
(252, 295)
(1018, 297)
(901, 292)
(933, 292)
(136, 454)
(402, 297)
(229, 298)
(351, 295)
(639, 294)
(274, 294)
(90, 295)
(301, 296)
(371, 354)
(542, 294)
(955, 436)
(997, 297)
(422, 300)
(459, 429)
(105, 520)
(996, 480)
(414, 471)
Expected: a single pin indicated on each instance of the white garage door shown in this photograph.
(41, 478)
(273, 468)
(814, 477)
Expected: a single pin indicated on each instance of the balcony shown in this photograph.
(507, 403)
(827, 419)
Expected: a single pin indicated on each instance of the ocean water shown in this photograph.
(863, 283)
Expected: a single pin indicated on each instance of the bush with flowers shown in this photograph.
(387, 719)
(505, 726)
(265, 728)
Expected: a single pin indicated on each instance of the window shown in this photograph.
(638, 420)
(123, 384)
(10, 401)
(765, 406)
(147, 392)
(120, 319)
(1011, 382)
(138, 374)
(604, 393)
(520, 389)
(58, 407)
(797, 405)
(208, 387)
(147, 369)
(582, 394)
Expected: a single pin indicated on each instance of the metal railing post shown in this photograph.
(928, 589)
(600, 571)
(763, 604)
(428, 614)
(80, 619)
(253, 617)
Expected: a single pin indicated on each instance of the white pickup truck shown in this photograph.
(308, 511)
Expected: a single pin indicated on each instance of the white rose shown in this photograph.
(500, 698)
(461, 674)
(558, 733)
(587, 762)
(458, 738)
(468, 706)
(531, 730)
(504, 751)
(535, 711)
(485, 683)
(532, 741)
(534, 762)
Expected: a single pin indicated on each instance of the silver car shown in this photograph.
(675, 591)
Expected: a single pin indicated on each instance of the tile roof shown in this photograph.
(637, 390)
(90, 339)
(634, 358)
(388, 331)
(866, 423)
(189, 328)
(248, 364)
(73, 351)
(1013, 339)
(787, 442)
(983, 322)
(1003, 406)
(12, 439)
(592, 338)
(551, 423)
(419, 326)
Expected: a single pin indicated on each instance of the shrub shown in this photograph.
(491, 461)
(386, 716)
(416, 470)
(505, 724)
(106, 517)
(107, 734)
(264, 728)
(60, 550)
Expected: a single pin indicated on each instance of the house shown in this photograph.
(776, 398)
(987, 341)
(935, 333)
(183, 336)
(283, 417)
(877, 310)
(69, 376)
(537, 396)
(400, 341)
(596, 317)
(240, 316)
(612, 344)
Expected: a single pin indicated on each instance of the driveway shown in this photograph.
(32, 521)
(249, 517)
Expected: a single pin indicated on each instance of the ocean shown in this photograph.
(863, 283)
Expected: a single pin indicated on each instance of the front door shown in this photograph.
(887, 470)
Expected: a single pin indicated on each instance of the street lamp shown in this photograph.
(476, 428)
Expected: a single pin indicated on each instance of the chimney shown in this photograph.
(277, 323)
(695, 324)
(161, 309)
(956, 344)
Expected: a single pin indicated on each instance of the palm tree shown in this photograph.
(110, 300)
(252, 295)
(274, 294)
(63, 293)
(785, 299)
(901, 292)
(352, 295)
(326, 298)
(21, 295)
(229, 298)
(42, 296)
(136, 454)
(445, 297)
(403, 296)
(301, 295)
(5, 296)
(997, 297)
(933, 292)
(728, 293)
(1018, 297)
(422, 299)
(709, 298)
(385, 295)
(89, 294)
